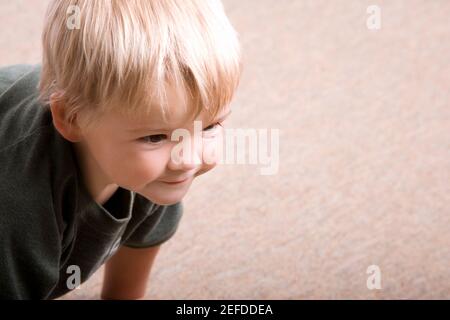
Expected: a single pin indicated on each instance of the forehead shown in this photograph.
(176, 116)
(156, 118)
(177, 112)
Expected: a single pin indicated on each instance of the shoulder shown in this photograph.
(9, 75)
(21, 113)
(38, 183)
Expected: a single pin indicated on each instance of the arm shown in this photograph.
(127, 273)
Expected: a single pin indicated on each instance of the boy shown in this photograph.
(87, 170)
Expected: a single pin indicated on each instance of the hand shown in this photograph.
(127, 273)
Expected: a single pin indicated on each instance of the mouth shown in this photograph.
(175, 182)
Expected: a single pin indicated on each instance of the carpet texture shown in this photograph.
(364, 157)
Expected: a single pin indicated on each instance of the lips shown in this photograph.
(175, 182)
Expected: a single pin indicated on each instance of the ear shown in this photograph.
(68, 128)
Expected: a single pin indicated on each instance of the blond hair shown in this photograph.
(125, 52)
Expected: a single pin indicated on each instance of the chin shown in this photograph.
(163, 195)
(164, 199)
(165, 202)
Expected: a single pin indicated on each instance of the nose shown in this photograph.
(186, 155)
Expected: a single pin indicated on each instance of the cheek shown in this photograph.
(133, 166)
(212, 153)
(205, 168)
(146, 165)
(105, 153)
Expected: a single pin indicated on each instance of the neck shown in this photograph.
(96, 182)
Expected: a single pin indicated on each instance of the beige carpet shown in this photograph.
(364, 175)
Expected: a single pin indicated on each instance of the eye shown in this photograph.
(154, 139)
(212, 131)
(213, 126)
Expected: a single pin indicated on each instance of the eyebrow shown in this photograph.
(221, 118)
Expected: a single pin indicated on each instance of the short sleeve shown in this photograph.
(157, 228)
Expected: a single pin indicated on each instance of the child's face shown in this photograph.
(136, 154)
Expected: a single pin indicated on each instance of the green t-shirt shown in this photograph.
(48, 220)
